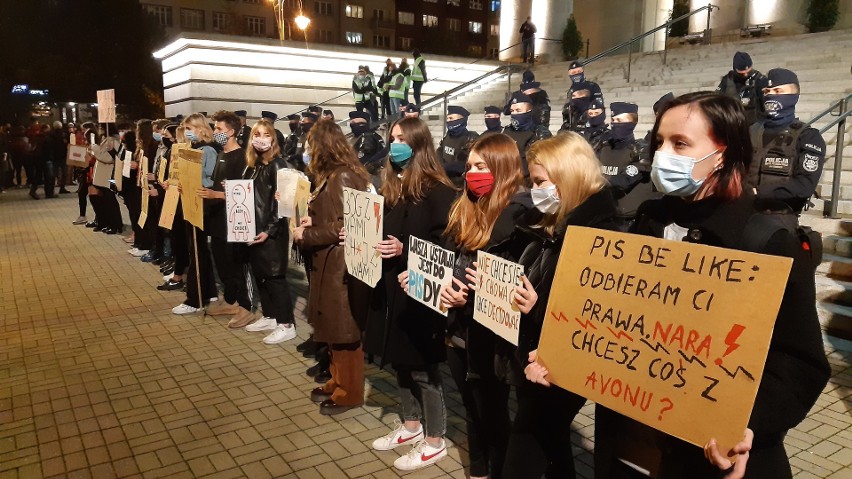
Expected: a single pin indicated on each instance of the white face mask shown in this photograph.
(545, 199)
(672, 174)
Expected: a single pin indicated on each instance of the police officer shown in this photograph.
(787, 156)
(620, 155)
(539, 97)
(595, 130)
(578, 81)
(657, 107)
(384, 86)
(455, 146)
(574, 112)
(492, 120)
(316, 110)
(245, 131)
(328, 115)
(745, 84)
(268, 115)
(362, 90)
(295, 159)
(523, 128)
(367, 143)
(412, 111)
(289, 146)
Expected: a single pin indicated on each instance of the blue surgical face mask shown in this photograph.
(400, 154)
(523, 121)
(306, 158)
(672, 174)
(780, 109)
(190, 136)
(158, 137)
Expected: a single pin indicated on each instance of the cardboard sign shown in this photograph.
(494, 303)
(77, 156)
(363, 218)
(118, 168)
(106, 106)
(301, 198)
(161, 169)
(190, 181)
(430, 270)
(102, 174)
(170, 204)
(665, 332)
(287, 185)
(239, 206)
(143, 185)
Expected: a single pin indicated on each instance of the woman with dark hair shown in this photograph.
(702, 153)
(402, 331)
(333, 309)
(484, 219)
(146, 151)
(128, 186)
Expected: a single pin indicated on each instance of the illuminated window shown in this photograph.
(406, 18)
(454, 3)
(354, 11)
(495, 5)
(222, 21)
(474, 27)
(255, 25)
(430, 21)
(381, 41)
(494, 53)
(495, 30)
(324, 8)
(163, 13)
(192, 19)
(476, 4)
(354, 38)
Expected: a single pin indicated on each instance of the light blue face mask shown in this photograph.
(400, 154)
(306, 158)
(158, 137)
(190, 136)
(672, 174)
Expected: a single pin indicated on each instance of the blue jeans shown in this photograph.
(394, 106)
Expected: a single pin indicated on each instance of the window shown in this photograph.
(406, 18)
(494, 53)
(495, 5)
(354, 11)
(221, 21)
(474, 27)
(404, 43)
(475, 50)
(324, 8)
(163, 13)
(430, 21)
(378, 14)
(325, 36)
(476, 4)
(251, 1)
(255, 25)
(381, 41)
(192, 19)
(430, 1)
(495, 30)
(454, 3)
(354, 38)
(454, 24)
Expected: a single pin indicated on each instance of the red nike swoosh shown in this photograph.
(425, 458)
(400, 440)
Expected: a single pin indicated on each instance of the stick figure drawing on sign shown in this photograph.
(239, 214)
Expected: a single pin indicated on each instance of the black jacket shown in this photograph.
(270, 257)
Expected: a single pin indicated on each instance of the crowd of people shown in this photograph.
(703, 174)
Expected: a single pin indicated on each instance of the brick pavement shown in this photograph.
(98, 379)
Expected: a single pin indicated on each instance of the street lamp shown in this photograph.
(301, 21)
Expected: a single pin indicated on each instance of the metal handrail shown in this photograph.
(831, 206)
(828, 110)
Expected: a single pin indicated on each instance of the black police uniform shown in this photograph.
(525, 139)
(787, 163)
(370, 147)
(629, 175)
(749, 91)
(540, 102)
(453, 152)
(243, 136)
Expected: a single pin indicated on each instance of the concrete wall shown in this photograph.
(205, 72)
(606, 23)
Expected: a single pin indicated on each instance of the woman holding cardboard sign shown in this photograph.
(568, 189)
(484, 219)
(402, 331)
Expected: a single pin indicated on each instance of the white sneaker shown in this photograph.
(182, 309)
(81, 220)
(399, 436)
(280, 334)
(168, 276)
(421, 455)
(262, 324)
(138, 252)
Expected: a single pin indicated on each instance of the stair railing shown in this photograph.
(842, 108)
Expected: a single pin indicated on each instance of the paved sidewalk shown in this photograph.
(98, 379)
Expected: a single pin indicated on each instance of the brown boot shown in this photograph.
(242, 319)
(222, 308)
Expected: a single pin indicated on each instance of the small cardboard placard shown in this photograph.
(287, 185)
(106, 106)
(494, 303)
(301, 197)
(363, 218)
(190, 182)
(430, 270)
(665, 332)
(239, 206)
(77, 156)
(118, 168)
(170, 204)
(125, 169)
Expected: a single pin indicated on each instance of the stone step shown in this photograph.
(837, 245)
(835, 319)
(826, 226)
(833, 290)
(835, 266)
(843, 208)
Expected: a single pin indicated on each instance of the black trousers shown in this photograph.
(540, 441)
(82, 190)
(205, 270)
(146, 236)
(487, 416)
(133, 201)
(106, 208)
(231, 272)
(180, 244)
(275, 299)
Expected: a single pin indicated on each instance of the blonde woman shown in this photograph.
(567, 189)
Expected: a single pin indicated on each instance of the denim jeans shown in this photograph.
(394, 106)
(421, 395)
(528, 46)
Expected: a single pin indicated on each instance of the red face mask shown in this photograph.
(480, 184)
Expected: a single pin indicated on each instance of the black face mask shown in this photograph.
(167, 142)
(493, 124)
(597, 121)
(359, 129)
(582, 103)
(305, 127)
(622, 131)
(457, 127)
(294, 126)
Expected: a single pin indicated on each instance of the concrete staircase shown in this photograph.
(822, 63)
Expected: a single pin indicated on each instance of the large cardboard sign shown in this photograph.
(143, 184)
(170, 204)
(77, 156)
(106, 106)
(363, 218)
(665, 332)
(190, 181)
(430, 270)
(494, 305)
(239, 206)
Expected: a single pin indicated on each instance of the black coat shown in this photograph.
(796, 369)
(270, 257)
(399, 329)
